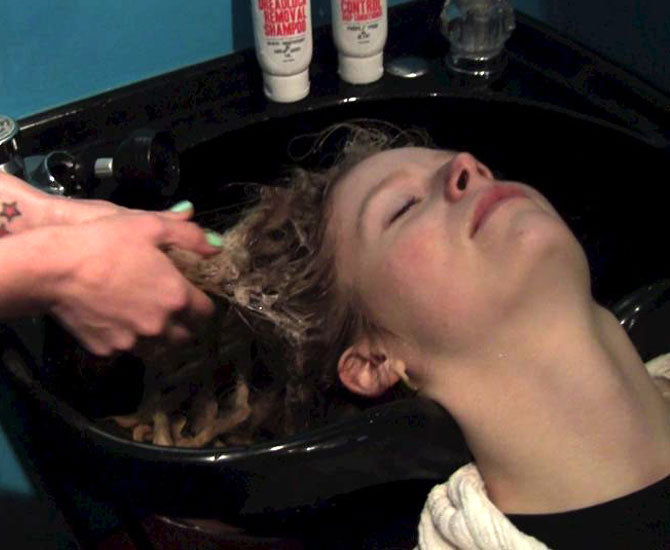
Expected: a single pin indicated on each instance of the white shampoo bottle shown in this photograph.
(359, 30)
(283, 36)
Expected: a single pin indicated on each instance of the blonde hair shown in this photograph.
(284, 318)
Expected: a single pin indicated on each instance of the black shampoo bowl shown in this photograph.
(607, 182)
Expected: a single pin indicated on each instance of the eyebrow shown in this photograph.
(374, 192)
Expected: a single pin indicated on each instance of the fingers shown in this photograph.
(188, 236)
(150, 319)
(176, 231)
(105, 341)
(202, 305)
(145, 296)
(173, 335)
(183, 211)
(176, 333)
(200, 309)
(179, 326)
(72, 211)
(179, 321)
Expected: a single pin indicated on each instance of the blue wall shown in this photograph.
(634, 34)
(57, 52)
(12, 477)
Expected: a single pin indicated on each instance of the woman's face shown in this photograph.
(440, 253)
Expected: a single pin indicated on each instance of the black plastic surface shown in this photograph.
(412, 440)
(588, 135)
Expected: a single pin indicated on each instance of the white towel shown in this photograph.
(459, 516)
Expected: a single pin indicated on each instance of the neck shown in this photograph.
(565, 422)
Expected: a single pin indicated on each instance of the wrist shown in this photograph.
(57, 253)
(34, 266)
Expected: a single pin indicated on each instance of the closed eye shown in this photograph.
(405, 208)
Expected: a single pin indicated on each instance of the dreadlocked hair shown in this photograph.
(276, 277)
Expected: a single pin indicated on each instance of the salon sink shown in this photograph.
(593, 138)
(605, 180)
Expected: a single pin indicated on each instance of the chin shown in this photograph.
(549, 253)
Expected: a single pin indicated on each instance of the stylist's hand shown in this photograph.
(116, 285)
(33, 209)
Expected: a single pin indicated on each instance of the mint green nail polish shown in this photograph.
(214, 239)
(182, 206)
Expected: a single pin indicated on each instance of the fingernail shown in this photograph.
(214, 239)
(182, 206)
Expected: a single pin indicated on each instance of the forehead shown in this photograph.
(380, 165)
(362, 178)
(359, 180)
(358, 183)
(351, 190)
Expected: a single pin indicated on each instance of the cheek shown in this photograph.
(413, 262)
(421, 288)
(413, 253)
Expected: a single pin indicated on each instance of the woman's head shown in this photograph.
(277, 274)
(443, 258)
(393, 257)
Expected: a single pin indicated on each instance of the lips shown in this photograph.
(492, 198)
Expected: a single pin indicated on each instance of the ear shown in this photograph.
(365, 372)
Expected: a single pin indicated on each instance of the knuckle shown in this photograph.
(152, 326)
(177, 298)
(206, 306)
(151, 224)
(181, 335)
(124, 342)
(100, 349)
(194, 231)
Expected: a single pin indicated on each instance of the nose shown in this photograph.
(461, 174)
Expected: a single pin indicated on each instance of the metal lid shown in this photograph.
(9, 159)
(8, 129)
(407, 66)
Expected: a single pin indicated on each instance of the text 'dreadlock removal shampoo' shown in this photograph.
(283, 37)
